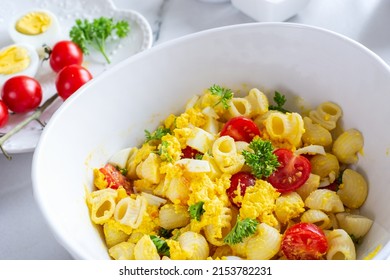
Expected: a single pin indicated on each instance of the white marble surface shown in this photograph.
(24, 233)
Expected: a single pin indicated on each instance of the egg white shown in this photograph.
(49, 37)
(31, 69)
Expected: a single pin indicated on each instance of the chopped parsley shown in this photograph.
(280, 100)
(157, 134)
(241, 230)
(196, 210)
(262, 160)
(224, 94)
(161, 245)
(163, 151)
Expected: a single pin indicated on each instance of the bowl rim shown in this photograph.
(61, 236)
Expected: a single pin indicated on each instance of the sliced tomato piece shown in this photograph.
(189, 152)
(304, 241)
(292, 173)
(240, 129)
(241, 181)
(114, 178)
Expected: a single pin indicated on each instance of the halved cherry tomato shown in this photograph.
(240, 129)
(4, 114)
(292, 173)
(241, 181)
(189, 152)
(65, 53)
(21, 94)
(114, 178)
(304, 241)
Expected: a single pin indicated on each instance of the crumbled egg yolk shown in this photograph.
(33, 23)
(259, 203)
(13, 60)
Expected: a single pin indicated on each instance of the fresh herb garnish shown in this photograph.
(280, 100)
(157, 134)
(242, 229)
(163, 151)
(262, 160)
(166, 233)
(224, 94)
(95, 33)
(196, 210)
(161, 245)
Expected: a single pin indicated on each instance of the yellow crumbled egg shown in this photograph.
(175, 250)
(99, 180)
(115, 232)
(259, 203)
(172, 149)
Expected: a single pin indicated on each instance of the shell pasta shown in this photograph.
(235, 176)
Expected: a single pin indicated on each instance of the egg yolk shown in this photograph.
(33, 23)
(13, 59)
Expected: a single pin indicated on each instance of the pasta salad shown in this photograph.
(235, 178)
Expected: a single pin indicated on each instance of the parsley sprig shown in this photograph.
(224, 94)
(161, 245)
(196, 210)
(157, 134)
(280, 100)
(262, 160)
(241, 230)
(95, 33)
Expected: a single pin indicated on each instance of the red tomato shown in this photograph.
(304, 241)
(189, 152)
(240, 129)
(4, 114)
(21, 94)
(240, 180)
(70, 79)
(292, 173)
(114, 178)
(65, 53)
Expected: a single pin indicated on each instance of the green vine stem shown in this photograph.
(34, 117)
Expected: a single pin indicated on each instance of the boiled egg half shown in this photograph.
(37, 28)
(18, 59)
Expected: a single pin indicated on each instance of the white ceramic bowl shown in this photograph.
(112, 111)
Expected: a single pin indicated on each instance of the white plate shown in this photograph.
(139, 39)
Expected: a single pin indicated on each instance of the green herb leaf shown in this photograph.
(166, 233)
(157, 134)
(161, 245)
(224, 94)
(163, 151)
(262, 160)
(280, 100)
(241, 230)
(95, 33)
(196, 210)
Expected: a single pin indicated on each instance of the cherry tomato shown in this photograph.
(21, 94)
(292, 172)
(4, 114)
(65, 53)
(189, 152)
(241, 181)
(240, 129)
(114, 178)
(70, 79)
(304, 241)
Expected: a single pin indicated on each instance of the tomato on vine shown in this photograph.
(4, 114)
(65, 53)
(21, 94)
(70, 79)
